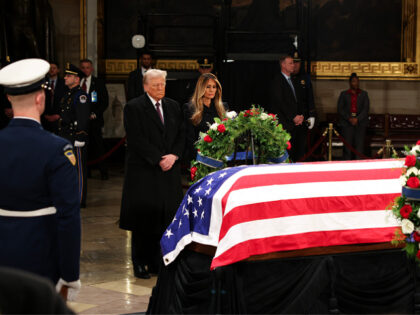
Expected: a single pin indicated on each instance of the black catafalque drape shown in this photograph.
(354, 283)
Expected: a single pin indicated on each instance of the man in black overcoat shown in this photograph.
(287, 102)
(135, 78)
(51, 115)
(152, 188)
(98, 94)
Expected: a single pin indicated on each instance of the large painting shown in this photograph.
(356, 30)
(113, 116)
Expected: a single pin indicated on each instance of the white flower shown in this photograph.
(412, 170)
(407, 226)
(231, 114)
(403, 180)
(264, 116)
(415, 149)
(214, 126)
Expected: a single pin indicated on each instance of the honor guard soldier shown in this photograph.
(39, 200)
(74, 123)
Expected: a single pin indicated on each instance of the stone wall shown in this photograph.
(67, 27)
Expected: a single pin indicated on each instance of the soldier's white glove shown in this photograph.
(311, 121)
(73, 288)
(79, 144)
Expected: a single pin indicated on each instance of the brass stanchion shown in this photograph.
(330, 131)
(387, 151)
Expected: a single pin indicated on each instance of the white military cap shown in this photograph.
(24, 76)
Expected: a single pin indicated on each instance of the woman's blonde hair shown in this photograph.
(197, 98)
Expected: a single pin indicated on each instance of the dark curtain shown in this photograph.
(372, 282)
(247, 82)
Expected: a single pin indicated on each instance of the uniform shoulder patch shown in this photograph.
(82, 99)
(70, 155)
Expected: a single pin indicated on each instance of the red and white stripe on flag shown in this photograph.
(297, 206)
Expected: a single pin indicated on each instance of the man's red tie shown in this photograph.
(159, 113)
(84, 87)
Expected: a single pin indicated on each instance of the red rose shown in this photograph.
(413, 182)
(224, 119)
(405, 211)
(193, 171)
(289, 145)
(247, 113)
(418, 255)
(410, 160)
(208, 139)
(418, 142)
(272, 115)
(416, 236)
(221, 128)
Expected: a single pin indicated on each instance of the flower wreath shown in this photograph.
(406, 208)
(217, 146)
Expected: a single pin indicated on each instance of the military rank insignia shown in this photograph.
(69, 154)
(82, 99)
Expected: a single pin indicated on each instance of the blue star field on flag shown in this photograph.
(194, 213)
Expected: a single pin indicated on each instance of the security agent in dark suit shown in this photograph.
(287, 102)
(51, 115)
(74, 123)
(353, 111)
(39, 202)
(98, 94)
(152, 188)
(135, 78)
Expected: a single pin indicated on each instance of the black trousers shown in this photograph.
(96, 146)
(298, 142)
(355, 135)
(145, 249)
(81, 159)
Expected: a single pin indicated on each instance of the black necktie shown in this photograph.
(159, 113)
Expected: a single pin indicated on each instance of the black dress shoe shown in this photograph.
(141, 272)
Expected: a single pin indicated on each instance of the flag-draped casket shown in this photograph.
(253, 210)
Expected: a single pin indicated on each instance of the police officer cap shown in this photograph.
(72, 69)
(296, 56)
(205, 62)
(24, 76)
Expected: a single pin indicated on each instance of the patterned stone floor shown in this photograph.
(108, 284)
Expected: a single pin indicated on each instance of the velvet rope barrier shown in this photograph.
(348, 145)
(106, 155)
(316, 145)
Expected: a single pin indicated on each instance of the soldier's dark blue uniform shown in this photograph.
(39, 206)
(39, 200)
(74, 126)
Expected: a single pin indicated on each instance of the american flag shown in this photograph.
(253, 210)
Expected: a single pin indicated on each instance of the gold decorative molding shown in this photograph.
(119, 66)
(125, 66)
(374, 70)
(185, 64)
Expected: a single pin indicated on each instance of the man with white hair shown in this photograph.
(152, 186)
(39, 201)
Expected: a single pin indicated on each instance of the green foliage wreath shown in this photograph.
(227, 135)
(406, 208)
